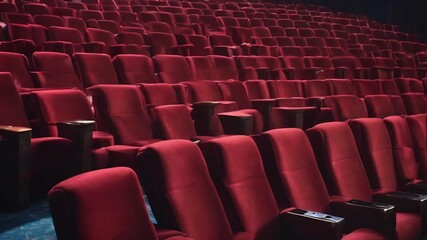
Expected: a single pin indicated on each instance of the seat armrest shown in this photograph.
(290, 73)
(263, 73)
(404, 201)
(363, 214)
(275, 74)
(15, 165)
(236, 123)
(80, 132)
(303, 224)
(205, 107)
(264, 106)
(59, 46)
(248, 73)
(203, 114)
(418, 187)
(341, 72)
(362, 73)
(294, 115)
(94, 47)
(258, 49)
(184, 50)
(383, 72)
(317, 102)
(228, 51)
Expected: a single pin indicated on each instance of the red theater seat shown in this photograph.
(54, 70)
(249, 121)
(184, 177)
(120, 110)
(173, 68)
(17, 65)
(379, 106)
(134, 68)
(379, 150)
(339, 160)
(55, 106)
(346, 107)
(36, 164)
(417, 126)
(95, 68)
(103, 204)
(287, 154)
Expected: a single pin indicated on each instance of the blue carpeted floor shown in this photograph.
(34, 223)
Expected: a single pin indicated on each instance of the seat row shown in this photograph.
(132, 116)
(233, 34)
(63, 37)
(279, 183)
(88, 69)
(97, 69)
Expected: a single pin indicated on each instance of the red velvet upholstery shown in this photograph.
(163, 93)
(379, 106)
(256, 89)
(376, 152)
(296, 67)
(180, 191)
(173, 68)
(316, 88)
(32, 32)
(111, 46)
(282, 89)
(202, 67)
(204, 91)
(387, 86)
(323, 63)
(132, 69)
(175, 121)
(102, 204)
(338, 157)
(166, 43)
(366, 87)
(418, 127)
(341, 87)
(53, 106)
(248, 67)
(69, 34)
(409, 85)
(415, 103)
(95, 68)
(345, 107)
(17, 65)
(235, 91)
(236, 169)
(274, 67)
(51, 157)
(286, 110)
(225, 67)
(55, 70)
(294, 175)
(49, 20)
(120, 111)
(342, 169)
(208, 91)
(403, 148)
(292, 170)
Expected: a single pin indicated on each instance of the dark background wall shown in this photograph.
(409, 15)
